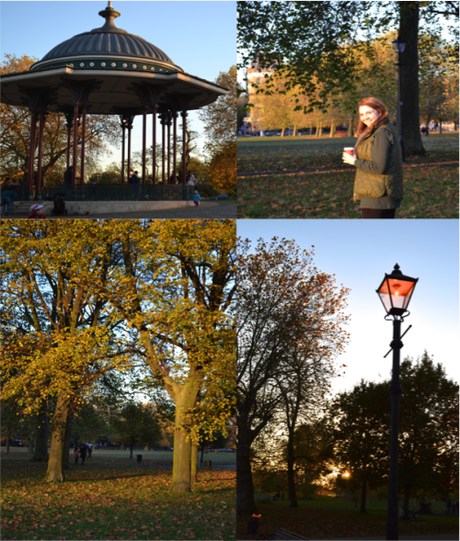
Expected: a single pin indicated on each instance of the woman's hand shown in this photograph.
(349, 158)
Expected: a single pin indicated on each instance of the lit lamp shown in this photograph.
(399, 45)
(395, 292)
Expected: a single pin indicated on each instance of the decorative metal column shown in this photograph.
(184, 145)
(154, 146)
(83, 140)
(395, 292)
(175, 146)
(144, 143)
(33, 122)
(38, 180)
(130, 127)
(169, 145)
(39, 100)
(76, 119)
(149, 97)
(80, 91)
(123, 131)
(399, 46)
(68, 117)
(163, 121)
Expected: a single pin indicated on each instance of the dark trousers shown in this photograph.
(378, 213)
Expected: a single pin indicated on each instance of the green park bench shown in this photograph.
(284, 535)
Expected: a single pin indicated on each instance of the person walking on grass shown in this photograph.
(75, 454)
(83, 454)
(378, 159)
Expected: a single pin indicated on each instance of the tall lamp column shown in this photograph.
(399, 46)
(395, 292)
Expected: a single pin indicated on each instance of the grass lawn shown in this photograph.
(430, 191)
(329, 518)
(112, 497)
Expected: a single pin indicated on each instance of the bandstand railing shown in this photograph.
(112, 192)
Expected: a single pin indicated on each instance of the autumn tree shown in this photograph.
(308, 367)
(359, 423)
(134, 424)
(222, 170)
(439, 80)
(220, 120)
(68, 335)
(284, 305)
(101, 131)
(305, 40)
(99, 294)
(429, 444)
(175, 289)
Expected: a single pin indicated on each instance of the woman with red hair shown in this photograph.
(378, 160)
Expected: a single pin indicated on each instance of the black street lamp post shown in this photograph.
(399, 45)
(395, 292)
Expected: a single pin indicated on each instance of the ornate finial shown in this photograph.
(109, 15)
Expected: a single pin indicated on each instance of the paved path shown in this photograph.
(206, 210)
(453, 537)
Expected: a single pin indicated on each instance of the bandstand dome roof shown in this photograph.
(105, 43)
(117, 63)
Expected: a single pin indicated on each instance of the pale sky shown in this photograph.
(198, 36)
(359, 253)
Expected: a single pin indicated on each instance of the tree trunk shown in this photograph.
(185, 400)
(30, 448)
(194, 460)
(290, 473)
(363, 498)
(406, 501)
(245, 503)
(55, 472)
(202, 452)
(41, 439)
(68, 433)
(7, 443)
(350, 126)
(181, 478)
(410, 114)
(131, 448)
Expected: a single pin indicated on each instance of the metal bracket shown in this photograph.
(391, 349)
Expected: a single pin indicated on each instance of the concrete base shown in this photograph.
(114, 207)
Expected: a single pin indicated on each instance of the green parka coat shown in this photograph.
(379, 165)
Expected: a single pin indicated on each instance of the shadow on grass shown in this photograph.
(328, 518)
(105, 504)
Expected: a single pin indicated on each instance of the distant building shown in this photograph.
(255, 75)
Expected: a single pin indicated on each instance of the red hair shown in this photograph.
(378, 106)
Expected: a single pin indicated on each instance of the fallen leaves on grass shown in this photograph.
(101, 501)
(430, 193)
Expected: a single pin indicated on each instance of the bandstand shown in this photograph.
(108, 71)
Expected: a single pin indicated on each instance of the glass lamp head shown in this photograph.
(399, 45)
(395, 292)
